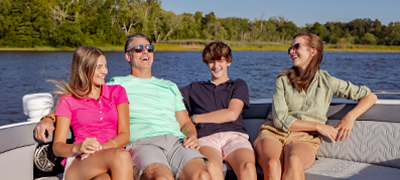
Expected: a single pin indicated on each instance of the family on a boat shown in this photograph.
(142, 127)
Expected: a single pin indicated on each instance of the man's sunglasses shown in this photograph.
(139, 48)
(295, 46)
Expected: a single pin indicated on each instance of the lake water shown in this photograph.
(26, 72)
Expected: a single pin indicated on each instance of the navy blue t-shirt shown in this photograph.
(204, 97)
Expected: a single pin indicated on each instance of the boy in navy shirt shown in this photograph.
(215, 107)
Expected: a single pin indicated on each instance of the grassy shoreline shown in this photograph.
(198, 45)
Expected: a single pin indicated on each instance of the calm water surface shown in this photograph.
(26, 72)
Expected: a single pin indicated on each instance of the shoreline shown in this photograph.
(199, 47)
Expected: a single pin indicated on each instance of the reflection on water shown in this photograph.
(26, 72)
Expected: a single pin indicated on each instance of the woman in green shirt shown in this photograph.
(288, 144)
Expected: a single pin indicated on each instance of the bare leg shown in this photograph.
(214, 165)
(195, 169)
(270, 157)
(297, 158)
(114, 160)
(243, 162)
(104, 176)
(157, 171)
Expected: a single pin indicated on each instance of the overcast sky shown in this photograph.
(300, 12)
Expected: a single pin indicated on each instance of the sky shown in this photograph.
(300, 12)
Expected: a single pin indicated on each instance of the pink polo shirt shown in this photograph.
(94, 118)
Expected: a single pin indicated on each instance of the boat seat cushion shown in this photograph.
(58, 177)
(329, 169)
(370, 142)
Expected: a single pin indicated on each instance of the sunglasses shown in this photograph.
(139, 48)
(295, 46)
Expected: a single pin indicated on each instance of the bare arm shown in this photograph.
(62, 149)
(123, 128)
(188, 129)
(344, 127)
(323, 129)
(230, 114)
(346, 124)
(44, 125)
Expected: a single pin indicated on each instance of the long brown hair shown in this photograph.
(83, 66)
(304, 80)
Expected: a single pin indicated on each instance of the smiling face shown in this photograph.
(140, 60)
(302, 56)
(100, 72)
(219, 69)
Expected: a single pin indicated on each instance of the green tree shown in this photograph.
(368, 38)
(236, 28)
(319, 30)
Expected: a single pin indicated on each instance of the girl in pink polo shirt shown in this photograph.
(99, 116)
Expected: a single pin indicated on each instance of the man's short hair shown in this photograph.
(128, 44)
(216, 50)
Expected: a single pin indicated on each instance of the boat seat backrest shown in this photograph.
(255, 117)
(371, 142)
(375, 137)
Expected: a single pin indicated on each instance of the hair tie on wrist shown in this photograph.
(115, 144)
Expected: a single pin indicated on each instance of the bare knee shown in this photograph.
(157, 171)
(203, 175)
(200, 175)
(121, 157)
(162, 177)
(294, 161)
(195, 169)
(248, 166)
(213, 165)
(272, 164)
(104, 176)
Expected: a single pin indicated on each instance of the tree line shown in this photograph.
(72, 23)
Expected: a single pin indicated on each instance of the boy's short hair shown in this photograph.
(215, 50)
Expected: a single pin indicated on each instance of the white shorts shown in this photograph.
(67, 163)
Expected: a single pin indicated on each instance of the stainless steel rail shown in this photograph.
(385, 92)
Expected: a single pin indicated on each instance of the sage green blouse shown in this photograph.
(289, 104)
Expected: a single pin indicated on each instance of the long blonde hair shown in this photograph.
(83, 66)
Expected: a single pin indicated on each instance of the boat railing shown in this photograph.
(385, 92)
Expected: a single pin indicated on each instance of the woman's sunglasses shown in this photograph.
(295, 46)
(139, 48)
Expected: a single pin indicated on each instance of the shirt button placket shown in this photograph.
(101, 110)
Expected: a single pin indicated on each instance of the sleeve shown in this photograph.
(280, 112)
(347, 89)
(241, 91)
(185, 92)
(64, 108)
(179, 106)
(122, 97)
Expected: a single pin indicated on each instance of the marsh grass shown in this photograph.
(198, 45)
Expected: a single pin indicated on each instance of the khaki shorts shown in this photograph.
(165, 149)
(267, 130)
